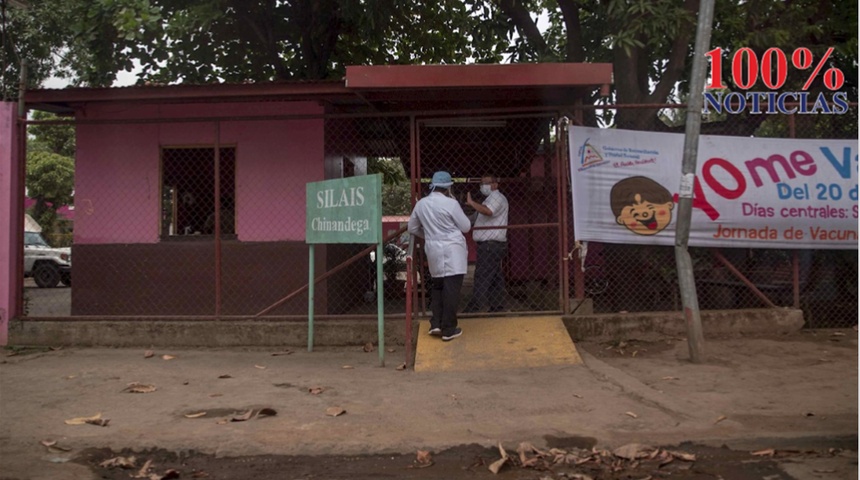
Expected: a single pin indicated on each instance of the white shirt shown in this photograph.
(442, 223)
(498, 204)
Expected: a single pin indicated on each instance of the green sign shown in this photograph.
(345, 210)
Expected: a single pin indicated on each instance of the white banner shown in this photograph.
(747, 192)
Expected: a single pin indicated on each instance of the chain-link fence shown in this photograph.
(823, 283)
(209, 221)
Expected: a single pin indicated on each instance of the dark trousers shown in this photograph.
(489, 280)
(444, 301)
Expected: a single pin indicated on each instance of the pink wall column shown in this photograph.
(11, 215)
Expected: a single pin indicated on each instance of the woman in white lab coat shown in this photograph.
(439, 219)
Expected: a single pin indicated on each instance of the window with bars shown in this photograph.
(188, 191)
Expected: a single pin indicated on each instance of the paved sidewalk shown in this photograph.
(789, 388)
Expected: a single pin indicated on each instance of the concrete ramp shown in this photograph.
(497, 343)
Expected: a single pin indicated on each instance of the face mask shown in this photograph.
(486, 190)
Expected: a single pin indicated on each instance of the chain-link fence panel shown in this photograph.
(210, 222)
(516, 267)
(48, 221)
(635, 278)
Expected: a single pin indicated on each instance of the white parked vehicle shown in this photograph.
(47, 265)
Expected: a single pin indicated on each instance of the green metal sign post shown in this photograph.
(345, 210)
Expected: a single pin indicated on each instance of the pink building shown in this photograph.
(159, 168)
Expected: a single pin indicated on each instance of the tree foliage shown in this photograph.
(201, 41)
(50, 181)
(649, 43)
(395, 185)
(59, 139)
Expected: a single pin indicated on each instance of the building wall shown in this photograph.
(123, 267)
(117, 181)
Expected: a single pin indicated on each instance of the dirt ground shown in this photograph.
(472, 462)
(760, 408)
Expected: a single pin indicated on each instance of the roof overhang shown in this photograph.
(438, 87)
(385, 88)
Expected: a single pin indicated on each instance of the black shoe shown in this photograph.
(456, 333)
(435, 331)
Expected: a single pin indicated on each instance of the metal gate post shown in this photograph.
(217, 174)
(563, 182)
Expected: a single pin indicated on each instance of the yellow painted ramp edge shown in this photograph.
(497, 343)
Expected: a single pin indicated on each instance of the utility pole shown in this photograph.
(686, 280)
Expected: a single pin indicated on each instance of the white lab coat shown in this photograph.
(440, 220)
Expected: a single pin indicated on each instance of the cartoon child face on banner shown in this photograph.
(642, 205)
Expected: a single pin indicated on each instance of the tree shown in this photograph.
(650, 43)
(395, 185)
(59, 139)
(204, 41)
(50, 181)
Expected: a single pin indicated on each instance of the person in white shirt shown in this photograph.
(492, 245)
(439, 219)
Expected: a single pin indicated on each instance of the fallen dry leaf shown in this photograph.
(368, 347)
(523, 449)
(631, 414)
(266, 412)
(120, 462)
(497, 465)
(334, 411)
(768, 452)
(142, 473)
(837, 334)
(577, 395)
(100, 422)
(687, 457)
(195, 415)
(148, 354)
(168, 475)
(261, 367)
(225, 376)
(720, 419)
(135, 387)
(52, 445)
(285, 352)
(223, 421)
(83, 420)
(347, 367)
(242, 416)
(423, 459)
(390, 350)
(167, 357)
(633, 451)
(402, 366)
(316, 390)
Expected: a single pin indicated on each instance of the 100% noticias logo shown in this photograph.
(774, 73)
